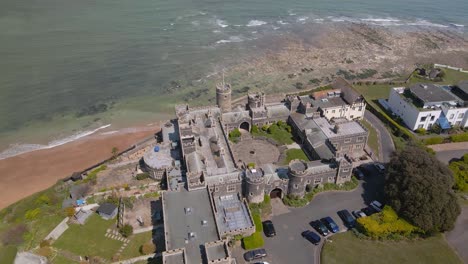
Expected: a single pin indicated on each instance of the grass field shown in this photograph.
(347, 248)
(58, 259)
(281, 136)
(89, 239)
(292, 154)
(373, 138)
(136, 241)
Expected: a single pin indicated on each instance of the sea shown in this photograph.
(71, 68)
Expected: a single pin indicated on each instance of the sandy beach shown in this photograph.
(23, 175)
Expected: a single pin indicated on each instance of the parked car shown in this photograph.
(347, 218)
(379, 167)
(263, 262)
(311, 236)
(255, 254)
(369, 211)
(319, 227)
(376, 205)
(330, 224)
(358, 173)
(358, 214)
(269, 229)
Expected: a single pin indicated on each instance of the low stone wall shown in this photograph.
(449, 67)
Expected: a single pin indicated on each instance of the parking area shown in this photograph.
(288, 246)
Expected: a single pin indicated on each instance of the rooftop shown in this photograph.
(158, 157)
(231, 213)
(191, 222)
(176, 257)
(431, 93)
(463, 85)
(107, 208)
(345, 128)
(318, 166)
(215, 251)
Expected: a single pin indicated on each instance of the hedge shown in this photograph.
(389, 121)
(254, 241)
(433, 140)
(459, 137)
(386, 225)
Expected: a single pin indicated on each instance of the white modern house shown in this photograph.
(423, 105)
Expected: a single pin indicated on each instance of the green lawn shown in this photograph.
(372, 141)
(136, 241)
(7, 254)
(281, 136)
(89, 239)
(58, 259)
(347, 248)
(292, 154)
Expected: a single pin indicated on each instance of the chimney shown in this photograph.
(336, 129)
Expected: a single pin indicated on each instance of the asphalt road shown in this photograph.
(288, 246)
(386, 143)
(458, 237)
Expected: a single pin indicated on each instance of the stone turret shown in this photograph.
(223, 97)
(256, 100)
(297, 173)
(254, 185)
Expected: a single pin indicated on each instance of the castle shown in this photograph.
(207, 183)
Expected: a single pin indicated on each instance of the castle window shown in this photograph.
(231, 188)
(348, 140)
(296, 186)
(346, 170)
(360, 139)
(251, 194)
(308, 182)
(216, 189)
(317, 181)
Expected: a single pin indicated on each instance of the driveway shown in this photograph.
(458, 237)
(447, 155)
(385, 139)
(288, 246)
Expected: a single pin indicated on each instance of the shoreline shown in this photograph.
(35, 171)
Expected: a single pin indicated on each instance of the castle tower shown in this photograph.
(223, 97)
(297, 173)
(254, 185)
(256, 100)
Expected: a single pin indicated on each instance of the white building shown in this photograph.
(423, 105)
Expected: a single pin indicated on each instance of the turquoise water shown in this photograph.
(76, 58)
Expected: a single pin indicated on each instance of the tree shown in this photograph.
(115, 152)
(147, 248)
(126, 230)
(70, 211)
(419, 188)
(460, 172)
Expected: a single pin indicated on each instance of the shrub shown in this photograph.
(386, 225)
(142, 176)
(147, 248)
(459, 137)
(43, 199)
(126, 230)
(70, 211)
(235, 133)
(433, 140)
(45, 252)
(420, 131)
(151, 195)
(32, 214)
(126, 187)
(14, 235)
(265, 127)
(45, 243)
(254, 129)
(254, 241)
(251, 165)
(460, 173)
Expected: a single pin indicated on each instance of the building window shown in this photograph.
(358, 146)
(351, 116)
(231, 188)
(296, 186)
(221, 180)
(317, 181)
(458, 123)
(360, 139)
(451, 116)
(360, 108)
(216, 189)
(432, 118)
(333, 111)
(461, 115)
(251, 194)
(423, 118)
(420, 126)
(308, 182)
(346, 170)
(348, 140)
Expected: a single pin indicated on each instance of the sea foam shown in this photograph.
(256, 23)
(18, 149)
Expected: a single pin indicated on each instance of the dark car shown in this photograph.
(311, 236)
(320, 227)
(255, 254)
(330, 224)
(347, 218)
(358, 173)
(269, 229)
(369, 211)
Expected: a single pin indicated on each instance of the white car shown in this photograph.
(359, 214)
(376, 205)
